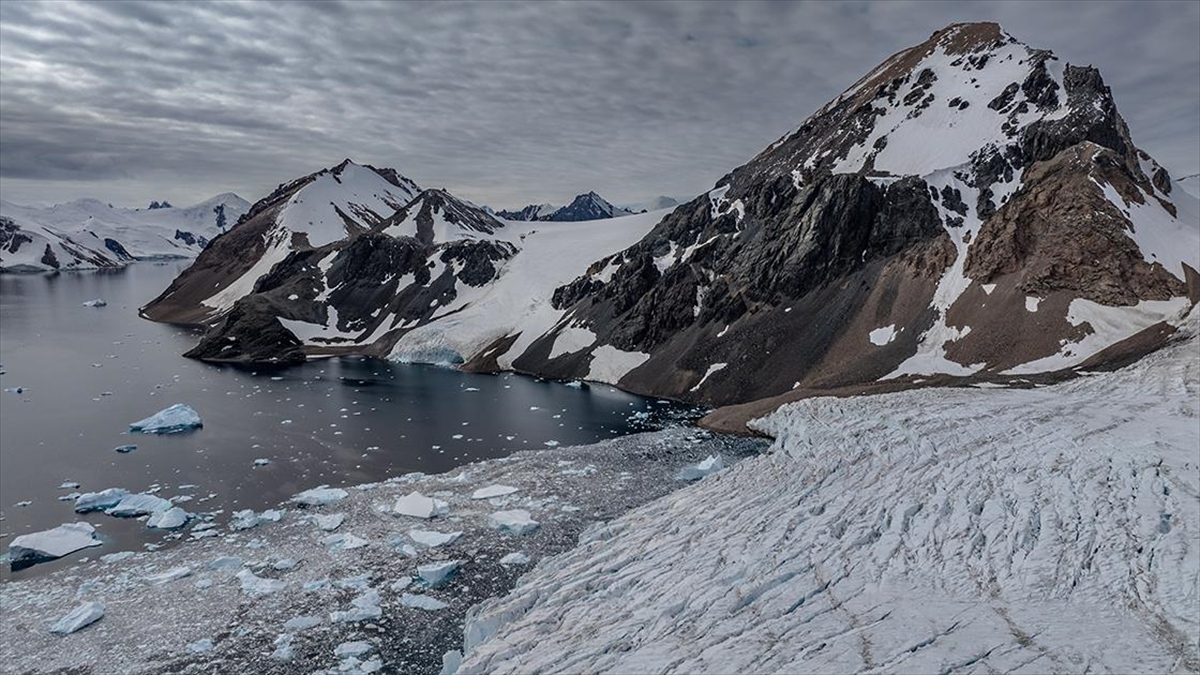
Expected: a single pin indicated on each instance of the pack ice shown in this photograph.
(50, 544)
(172, 420)
(959, 530)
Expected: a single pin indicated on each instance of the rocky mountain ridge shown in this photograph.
(587, 206)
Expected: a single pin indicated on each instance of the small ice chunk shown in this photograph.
(515, 558)
(319, 496)
(422, 602)
(123, 449)
(272, 515)
(51, 544)
(329, 523)
(82, 616)
(224, 562)
(354, 648)
(433, 539)
(299, 623)
(68, 485)
(173, 574)
(283, 648)
(262, 461)
(451, 662)
(174, 419)
(284, 564)
(95, 501)
(256, 586)
(516, 521)
(201, 646)
(202, 584)
(436, 574)
(170, 519)
(710, 465)
(137, 505)
(243, 520)
(344, 542)
(98, 302)
(493, 491)
(401, 584)
(416, 505)
(116, 557)
(363, 608)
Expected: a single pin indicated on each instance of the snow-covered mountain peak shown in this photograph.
(435, 216)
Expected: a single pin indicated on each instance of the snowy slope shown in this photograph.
(140, 233)
(961, 530)
(518, 302)
(1190, 184)
(349, 191)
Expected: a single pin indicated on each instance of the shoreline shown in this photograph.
(566, 490)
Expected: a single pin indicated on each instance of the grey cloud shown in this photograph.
(505, 103)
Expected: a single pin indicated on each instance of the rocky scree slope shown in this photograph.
(90, 234)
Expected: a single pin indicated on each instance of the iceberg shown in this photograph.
(137, 505)
(81, 617)
(320, 496)
(172, 420)
(436, 574)
(431, 539)
(711, 465)
(493, 491)
(96, 501)
(50, 544)
(422, 602)
(516, 521)
(256, 586)
(329, 523)
(172, 518)
(418, 505)
(363, 608)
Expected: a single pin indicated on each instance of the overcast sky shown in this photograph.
(504, 104)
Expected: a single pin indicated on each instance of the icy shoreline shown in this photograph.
(220, 603)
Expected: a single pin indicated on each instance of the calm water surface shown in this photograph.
(88, 372)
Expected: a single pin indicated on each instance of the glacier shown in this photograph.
(935, 530)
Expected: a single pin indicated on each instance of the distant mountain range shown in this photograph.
(587, 206)
(88, 233)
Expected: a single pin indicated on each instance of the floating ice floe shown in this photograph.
(172, 518)
(344, 542)
(299, 623)
(436, 574)
(96, 501)
(136, 505)
(174, 419)
(283, 648)
(433, 539)
(123, 449)
(262, 461)
(401, 584)
(710, 465)
(516, 558)
(201, 646)
(256, 586)
(329, 523)
(363, 608)
(516, 521)
(493, 491)
(116, 557)
(98, 302)
(173, 574)
(243, 520)
(82, 616)
(50, 544)
(417, 505)
(319, 496)
(68, 485)
(284, 564)
(422, 602)
(354, 648)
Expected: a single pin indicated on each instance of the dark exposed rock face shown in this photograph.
(250, 332)
(191, 239)
(11, 236)
(587, 206)
(49, 259)
(116, 247)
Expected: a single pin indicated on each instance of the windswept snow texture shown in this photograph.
(936, 530)
(89, 233)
